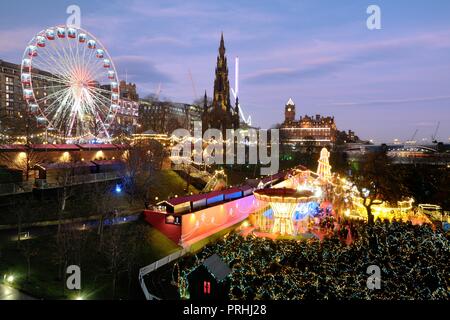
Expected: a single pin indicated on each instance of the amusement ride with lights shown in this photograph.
(70, 83)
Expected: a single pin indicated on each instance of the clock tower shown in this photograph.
(289, 112)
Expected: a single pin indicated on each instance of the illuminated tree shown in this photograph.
(377, 182)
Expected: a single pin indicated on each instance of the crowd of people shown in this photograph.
(413, 261)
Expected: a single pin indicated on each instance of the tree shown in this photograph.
(377, 182)
(200, 101)
(173, 124)
(23, 212)
(116, 253)
(64, 191)
(71, 243)
(136, 241)
(140, 162)
(310, 145)
(102, 197)
(29, 251)
(24, 161)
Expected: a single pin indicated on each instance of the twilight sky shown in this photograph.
(384, 84)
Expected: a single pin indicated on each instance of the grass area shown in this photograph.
(94, 263)
(212, 238)
(160, 283)
(43, 207)
(236, 175)
(158, 246)
(167, 184)
(46, 280)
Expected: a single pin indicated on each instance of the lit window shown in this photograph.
(206, 287)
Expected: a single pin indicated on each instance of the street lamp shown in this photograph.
(365, 192)
(9, 278)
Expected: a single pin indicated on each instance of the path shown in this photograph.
(8, 293)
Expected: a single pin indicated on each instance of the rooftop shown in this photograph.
(215, 265)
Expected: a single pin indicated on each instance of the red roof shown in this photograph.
(98, 146)
(13, 147)
(194, 197)
(68, 147)
(201, 196)
(43, 147)
(180, 200)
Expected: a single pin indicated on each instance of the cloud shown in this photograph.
(202, 11)
(389, 101)
(314, 48)
(290, 74)
(161, 40)
(140, 69)
(173, 11)
(16, 40)
(323, 58)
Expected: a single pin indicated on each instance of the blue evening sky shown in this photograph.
(384, 84)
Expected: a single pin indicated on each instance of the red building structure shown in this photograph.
(186, 220)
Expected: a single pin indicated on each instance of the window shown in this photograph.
(206, 287)
(9, 80)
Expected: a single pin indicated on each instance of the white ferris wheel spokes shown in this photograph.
(70, 83)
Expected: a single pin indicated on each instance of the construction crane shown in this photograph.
(194, 90)
(433, 137)
(412, 141)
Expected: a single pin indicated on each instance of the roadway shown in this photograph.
(8, 293)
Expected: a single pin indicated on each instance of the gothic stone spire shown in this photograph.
(221, 99)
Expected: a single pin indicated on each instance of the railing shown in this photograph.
(155, 266)
(15, 188)
(193, 171)
(161, 209)
(76, 180)
(25, 187)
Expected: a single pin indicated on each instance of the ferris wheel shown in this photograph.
(70, 83)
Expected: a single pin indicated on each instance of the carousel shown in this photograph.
(284, 204)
